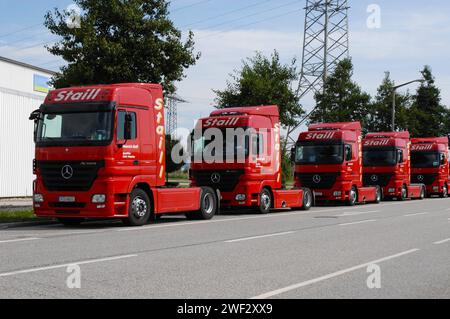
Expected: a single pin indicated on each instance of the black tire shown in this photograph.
(404, 194)
(265, 201)
(208, 205)
(379, 195)
(70, 221)
(353, 197)
(444, 193)
(308, 199)
(139, 209)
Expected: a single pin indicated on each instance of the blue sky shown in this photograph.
(413, 33)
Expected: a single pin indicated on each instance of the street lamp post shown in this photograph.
(394, 89)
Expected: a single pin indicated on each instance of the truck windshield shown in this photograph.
(75, 129)
(379, 157)
(425, 159)
(234, 150)
(319, 154)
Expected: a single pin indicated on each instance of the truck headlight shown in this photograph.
(38, 198)
(99, 199)
(240, 197)
(436, 188)
(391, 190)
(337, 194)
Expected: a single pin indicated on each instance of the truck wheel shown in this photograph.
(208, 205)
(70, 221)
(353, 197)
(139, 210)
(444, 192)
(403, 194)
(423, 193)
(379, 195)
(265, 201)
(307, 199)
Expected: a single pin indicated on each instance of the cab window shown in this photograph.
(121, 125)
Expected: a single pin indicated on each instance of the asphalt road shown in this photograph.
(323, 253)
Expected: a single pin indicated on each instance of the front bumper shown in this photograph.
(82, 206)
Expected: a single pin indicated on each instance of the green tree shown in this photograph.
(380, 113)
(120, 41)
(428, 116)
(171, 166)
(263, 81)
(342, 100)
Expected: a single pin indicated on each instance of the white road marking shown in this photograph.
(258, 237)
(360, 222)
(92, 261)
(18, 240)
(231, 219)
(415, 214)
(332, 275)
(442, 241)
(358, 213)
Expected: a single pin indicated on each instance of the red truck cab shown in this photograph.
(386, 163)
(328, 159)
(100, 153)
(247, 173)
(429, 161)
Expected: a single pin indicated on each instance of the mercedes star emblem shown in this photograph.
(215, 178)
(374, 178)
(420, 178)
(67, 172)
(317, 179)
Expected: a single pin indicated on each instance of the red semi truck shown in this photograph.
(386, 163)
(429, 161)
(247, 174)
(100, 153)
(328, 160)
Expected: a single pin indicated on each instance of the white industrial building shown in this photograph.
(23, 88)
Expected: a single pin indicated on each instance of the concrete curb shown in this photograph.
(28, 224)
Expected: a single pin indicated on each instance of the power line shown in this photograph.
(190, 5)
(20, 30)
(22, 39)
(254, 14)
(226, 13)
(252, 23)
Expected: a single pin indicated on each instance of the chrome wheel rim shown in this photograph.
(208, 204)
(403, 193)
(139, 207)
(265, 200)
(378, 195)
(353, 196)
(308, 200)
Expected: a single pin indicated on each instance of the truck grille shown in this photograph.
(426, 179)
(380, 179)
(225, 180)
(68, 175)
(317, 180)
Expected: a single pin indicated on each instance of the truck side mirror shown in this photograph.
(442, 159)
(127, 129)
(293, 154)
(348, 153)
(35, 115)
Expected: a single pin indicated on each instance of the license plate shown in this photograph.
(67, 199)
